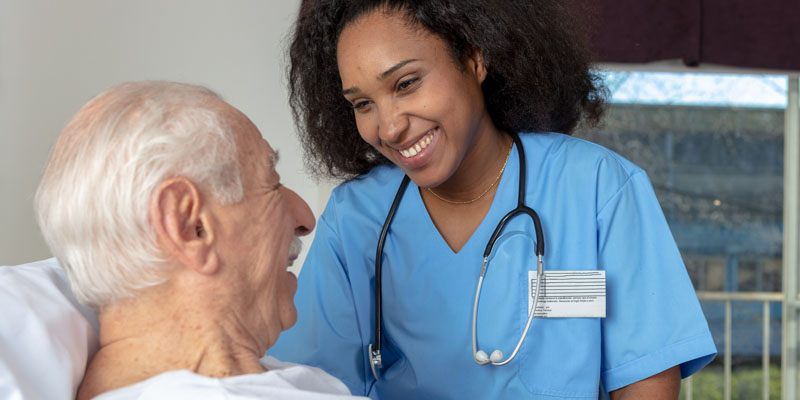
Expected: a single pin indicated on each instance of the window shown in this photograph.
(713, 147)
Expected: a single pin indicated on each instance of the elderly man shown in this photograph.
(162, 203)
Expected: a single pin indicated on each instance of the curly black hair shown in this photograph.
(538, 71)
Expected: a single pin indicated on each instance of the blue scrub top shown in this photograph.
(598, 211)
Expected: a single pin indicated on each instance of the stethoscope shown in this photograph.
(480, 356)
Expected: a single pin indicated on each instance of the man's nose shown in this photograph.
(392, 123)
(303, 217)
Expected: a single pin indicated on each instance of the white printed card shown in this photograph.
(569, 294)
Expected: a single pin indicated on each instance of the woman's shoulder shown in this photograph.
(575, 154)
(369, 195)
(380, 182)
(587, 169)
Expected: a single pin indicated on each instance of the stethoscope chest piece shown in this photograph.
(375, 362)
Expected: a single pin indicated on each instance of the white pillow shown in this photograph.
(46, 336)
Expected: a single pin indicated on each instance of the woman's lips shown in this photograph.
(418, 154)
(419, 146)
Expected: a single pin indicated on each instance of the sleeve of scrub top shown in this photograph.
(326, 334)
(653, 319)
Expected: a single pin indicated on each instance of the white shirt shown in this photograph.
(283, 380)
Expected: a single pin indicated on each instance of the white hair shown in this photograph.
(93, 202)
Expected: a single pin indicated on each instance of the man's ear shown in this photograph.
(183, 225)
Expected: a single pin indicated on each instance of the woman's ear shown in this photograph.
(477, 65)
(183, 225)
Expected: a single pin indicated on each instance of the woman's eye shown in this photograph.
(404, 85)
(360, 105)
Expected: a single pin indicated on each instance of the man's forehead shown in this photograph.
(252, 145)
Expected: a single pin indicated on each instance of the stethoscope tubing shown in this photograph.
(375, 351)
(379, 266)
(521, 207)
(539, 272)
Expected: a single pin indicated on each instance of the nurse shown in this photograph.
(458, 95)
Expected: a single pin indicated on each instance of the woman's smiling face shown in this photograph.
(411, 100)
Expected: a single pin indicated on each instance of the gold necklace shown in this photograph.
(496, 179)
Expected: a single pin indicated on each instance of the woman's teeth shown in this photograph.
(413, 150)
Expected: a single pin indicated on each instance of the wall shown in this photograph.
(55, 55)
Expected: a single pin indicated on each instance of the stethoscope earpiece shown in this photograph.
(481, 358)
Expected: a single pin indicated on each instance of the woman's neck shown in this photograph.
(458, 206)
(479, 171)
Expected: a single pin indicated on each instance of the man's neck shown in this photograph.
(138, 342)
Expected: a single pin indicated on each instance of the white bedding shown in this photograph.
(46, 336)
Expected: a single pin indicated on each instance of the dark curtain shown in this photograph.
(740, 33)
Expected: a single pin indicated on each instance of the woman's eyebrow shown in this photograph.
(380, 77)
(397, 66)
(352, 90)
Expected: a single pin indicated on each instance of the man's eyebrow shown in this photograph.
(382, 76)
(274, 158)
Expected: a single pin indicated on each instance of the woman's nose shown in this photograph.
(393, 122)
